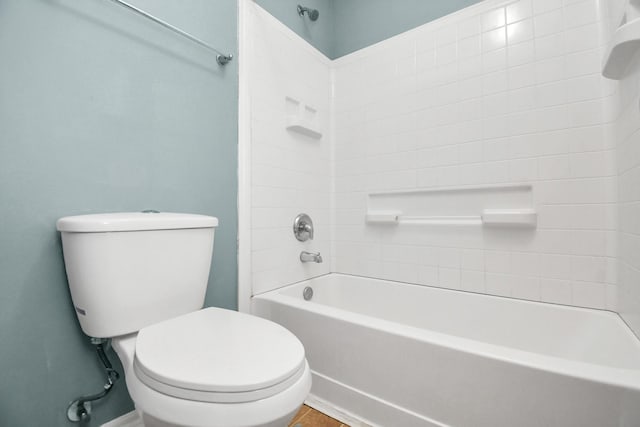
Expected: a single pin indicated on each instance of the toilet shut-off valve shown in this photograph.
(80, 409)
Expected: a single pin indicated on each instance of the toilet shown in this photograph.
(140, 279)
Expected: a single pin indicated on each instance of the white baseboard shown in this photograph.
(130, 419)
(335, 413)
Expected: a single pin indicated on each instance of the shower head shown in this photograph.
(312, 13)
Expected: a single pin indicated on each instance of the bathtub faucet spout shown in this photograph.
(310, 257)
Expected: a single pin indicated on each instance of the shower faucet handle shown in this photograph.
(303, 227)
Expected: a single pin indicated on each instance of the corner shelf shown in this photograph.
(624, 44)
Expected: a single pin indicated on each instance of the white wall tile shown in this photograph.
(525, 263)
(591, 164)
(497, 261)
(589, 269)
(493, 19)
(522, 99)
(591, 295)
(399, 271)
(401, 254)
(290, 173)
(521, 76)
(446, 54)
(519, 32)
(549, 70)
(583, 38)
(556, 167)
(449, 277)
(499, 284)
(495, 60)
(549, 46)
(549, 23)
(472, 259)
(542, 6)
(446, 35)
(551, 94)
(556, 291)
(526, 288)
(494, 39)
(524, 170)
(470, 27)
(555, 266)
(470, 46)
(519, 10)
(521, 53)
(586, 113)
(585, 62)
(584, 88)
(580, 13)
(627, 150)
(427, 275)
(494, 82)
(511, 95)
(472, 281)
(470, 67)
(449, 257)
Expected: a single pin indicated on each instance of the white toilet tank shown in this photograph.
(130, 270)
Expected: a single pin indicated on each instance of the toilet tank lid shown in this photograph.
(133, 221)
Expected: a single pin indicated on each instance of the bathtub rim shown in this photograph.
(617, 377)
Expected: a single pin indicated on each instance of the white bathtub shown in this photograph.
(398, 355)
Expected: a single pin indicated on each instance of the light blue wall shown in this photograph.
(101, 111)
(360, 23)
(345, 26)
(319, 33)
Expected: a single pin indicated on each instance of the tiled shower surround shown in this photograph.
(627, 137)
(498, 94)
(290, 172)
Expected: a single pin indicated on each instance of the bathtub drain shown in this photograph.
(307, 293)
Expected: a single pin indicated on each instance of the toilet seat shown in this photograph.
(217, 355)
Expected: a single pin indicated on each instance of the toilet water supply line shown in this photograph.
(80, 409)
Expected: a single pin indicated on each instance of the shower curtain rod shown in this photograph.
(221, 58)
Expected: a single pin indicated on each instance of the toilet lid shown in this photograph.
(218, 355)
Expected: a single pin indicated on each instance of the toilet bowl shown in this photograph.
(178, 375)
(140, 279)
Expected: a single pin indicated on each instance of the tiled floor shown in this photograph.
(309, 417)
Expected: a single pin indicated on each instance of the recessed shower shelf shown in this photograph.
(302, 118)
(624, 44)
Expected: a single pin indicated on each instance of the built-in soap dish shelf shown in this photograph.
(302, 118)
(525, 218)
(294, 124)
(456, 206)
